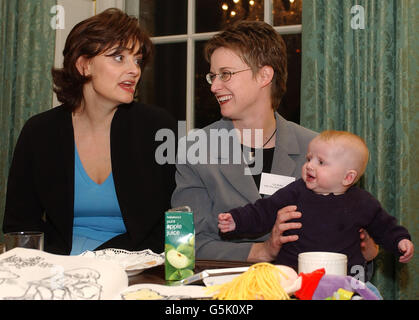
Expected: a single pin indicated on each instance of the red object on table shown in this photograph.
(309, 284)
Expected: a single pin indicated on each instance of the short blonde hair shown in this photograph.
(353, 143)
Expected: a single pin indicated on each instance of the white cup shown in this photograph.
(24, 239)
(333, 263)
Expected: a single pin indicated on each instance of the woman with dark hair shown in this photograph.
(85, 172)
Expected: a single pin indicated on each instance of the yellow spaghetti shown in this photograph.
(260, 282)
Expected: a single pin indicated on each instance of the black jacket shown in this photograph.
(40, 192)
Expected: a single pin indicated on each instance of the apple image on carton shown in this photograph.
(186, 249)
(177, 259)
(180, 274)
(191, 241)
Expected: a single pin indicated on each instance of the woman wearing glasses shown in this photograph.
(85, 172)
(248, 74)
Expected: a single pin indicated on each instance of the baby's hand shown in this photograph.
(226, 222)
(407, 248)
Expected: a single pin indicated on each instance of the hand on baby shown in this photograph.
(407, 248)
(369, 248)
(226, 222)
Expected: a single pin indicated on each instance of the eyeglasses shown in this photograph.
(224, 75)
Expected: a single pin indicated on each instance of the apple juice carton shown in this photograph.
(179, 245)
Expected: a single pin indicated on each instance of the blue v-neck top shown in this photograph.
(97, 216)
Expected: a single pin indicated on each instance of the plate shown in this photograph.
(148, 291)
(134, 262)
(291, 282)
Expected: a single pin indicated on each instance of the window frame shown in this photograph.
(191, 37)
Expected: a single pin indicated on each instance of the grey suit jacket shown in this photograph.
(210, 189)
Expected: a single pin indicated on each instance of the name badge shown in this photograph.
(270, 183)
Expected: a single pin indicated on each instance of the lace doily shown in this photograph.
(134, 262)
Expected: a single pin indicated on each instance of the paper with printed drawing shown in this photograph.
(28, 274)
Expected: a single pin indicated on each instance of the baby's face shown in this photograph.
(325, 168)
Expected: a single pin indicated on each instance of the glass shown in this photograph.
(160, 17)
(163, 82)
(215, 15)
(207, 109)
(224, 76)
(24, 239)
(287, 12)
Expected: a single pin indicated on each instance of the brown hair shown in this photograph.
(356, 143)
(258, 44)
(90, 38)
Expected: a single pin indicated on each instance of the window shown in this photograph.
(175, 79)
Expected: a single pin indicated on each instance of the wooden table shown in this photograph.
(156, 275)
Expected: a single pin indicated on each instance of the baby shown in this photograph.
(333, 209)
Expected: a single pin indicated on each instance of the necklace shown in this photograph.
(269, 139)
(252, 154)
